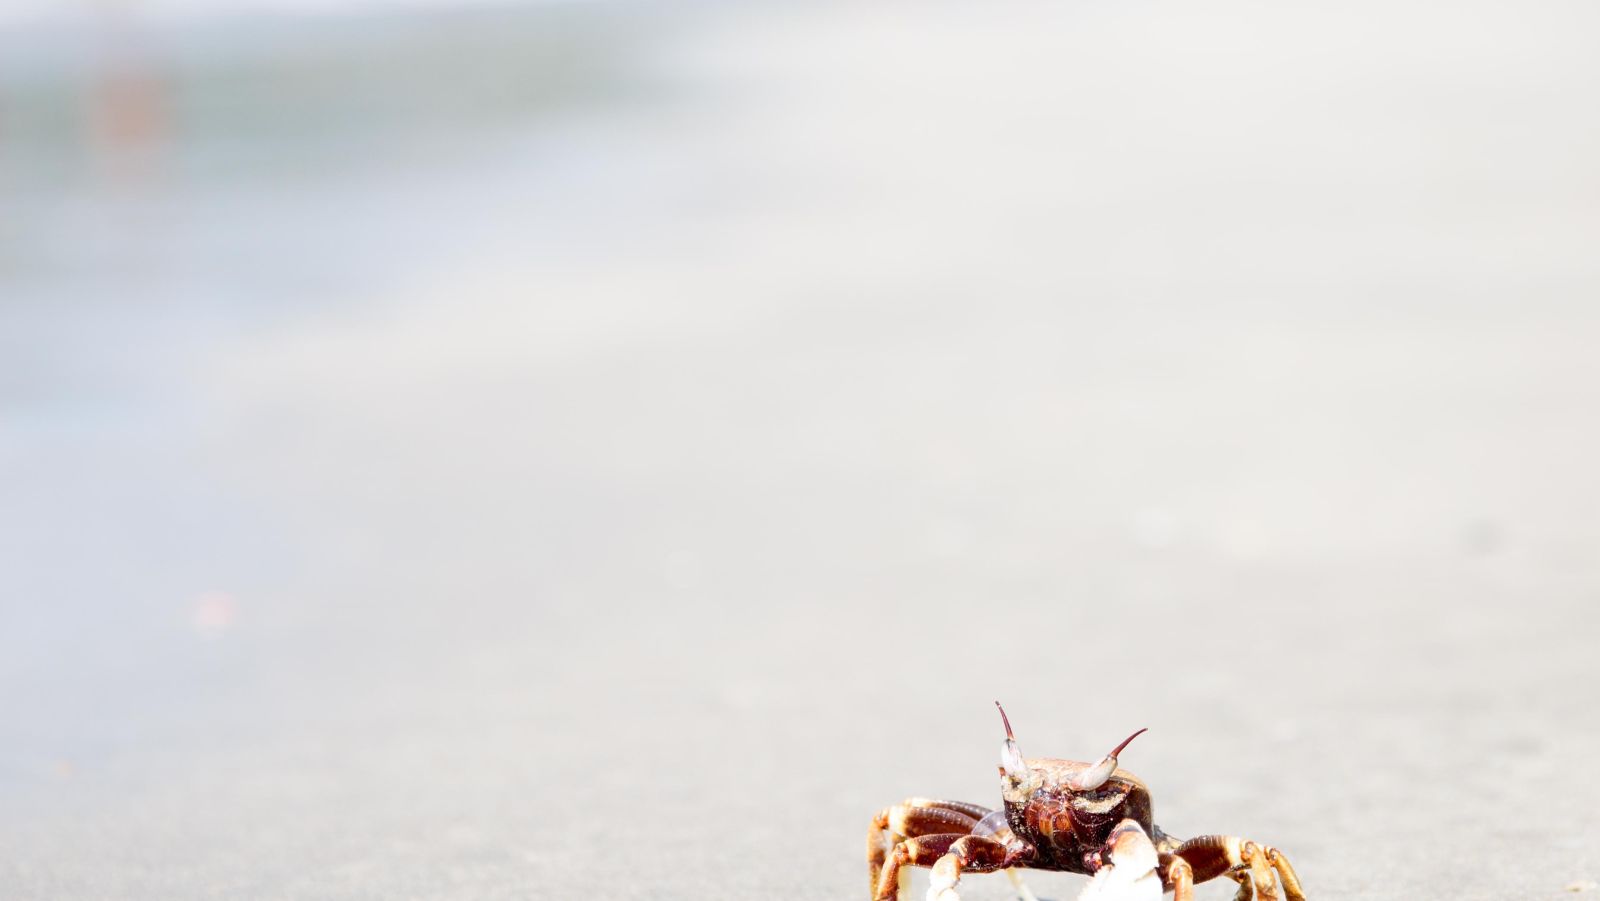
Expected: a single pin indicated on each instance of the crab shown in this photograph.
(1064, 815)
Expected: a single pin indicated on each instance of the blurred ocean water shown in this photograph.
(531, 451)
(177, 197)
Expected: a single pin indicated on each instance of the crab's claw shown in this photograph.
(1127, 868)
(1096, 776)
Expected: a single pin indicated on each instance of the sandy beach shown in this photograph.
(598, 451)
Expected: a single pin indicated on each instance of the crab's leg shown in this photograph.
(1181, 878)
(1261, 875)
(923, 851)
(949, 856)
(1246, 891)
(915, 817)
(1286, 874)
(976, 811)
(1023, 892)
(1252, 865)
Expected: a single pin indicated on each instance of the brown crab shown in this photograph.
(1069, 816)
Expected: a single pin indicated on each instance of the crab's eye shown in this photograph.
(1011, 760)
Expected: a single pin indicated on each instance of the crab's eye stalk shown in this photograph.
(1011, 761)
(1096, 776)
